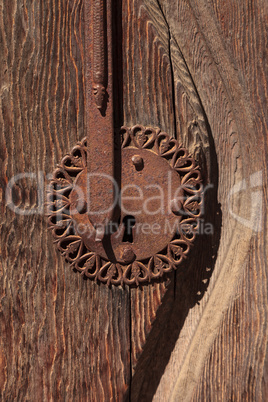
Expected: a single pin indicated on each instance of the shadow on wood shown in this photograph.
(188, 288)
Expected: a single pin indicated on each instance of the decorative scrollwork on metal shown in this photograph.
(91, 264)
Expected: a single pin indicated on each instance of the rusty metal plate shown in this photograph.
(160, 199)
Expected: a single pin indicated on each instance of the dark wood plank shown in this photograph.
(147, 97)
(62, 338)
(147, 72)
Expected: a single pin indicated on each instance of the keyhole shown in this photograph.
(129, 222)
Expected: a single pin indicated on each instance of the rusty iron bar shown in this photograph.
(99, 52)
(99, 113)
(84, 183)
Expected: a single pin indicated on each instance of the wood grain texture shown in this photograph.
(211, 359)
(197, 71)
(62, 338)
(150, 97)
(147, 99)
(70, 336)
(147, 76)
(236, 368)
(192, 278)
(240, 350)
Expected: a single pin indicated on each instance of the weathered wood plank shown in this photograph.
(147, 76)
(62, 338)
(65, 338)
(209, 331)
(240, 350)
(236, 368)
(192, 130)
(147, 97)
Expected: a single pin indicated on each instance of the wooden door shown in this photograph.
(198, 71)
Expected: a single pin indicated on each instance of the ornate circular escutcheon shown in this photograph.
(160, 197)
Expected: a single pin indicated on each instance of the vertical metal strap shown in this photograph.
(99, 112)
(99, 52)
